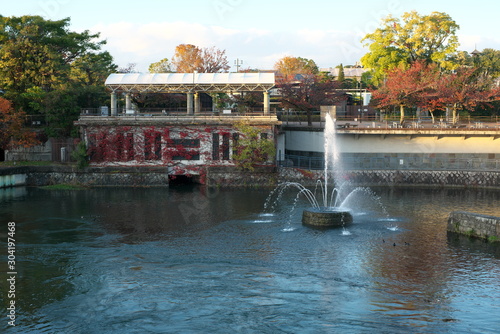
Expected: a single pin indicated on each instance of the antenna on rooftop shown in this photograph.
(238, 63)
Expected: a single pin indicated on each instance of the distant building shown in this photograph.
(353, 73)
(184, 141)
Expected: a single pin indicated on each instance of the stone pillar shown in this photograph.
(190, 101)
(128, 102)
(197, 103)
(114, 106)
(267, 103)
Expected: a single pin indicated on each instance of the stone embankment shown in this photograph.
(474, 225)
(233, 177)
(133, 176)
(99, 176)
(372, 178)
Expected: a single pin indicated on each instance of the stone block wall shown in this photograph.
(474, 225)
(479, 179)
(264, 176)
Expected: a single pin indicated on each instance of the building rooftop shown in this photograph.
(185, 82)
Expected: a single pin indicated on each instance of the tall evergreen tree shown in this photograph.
(341, 76)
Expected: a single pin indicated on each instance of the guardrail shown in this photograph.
(395, 163)
(166, 112)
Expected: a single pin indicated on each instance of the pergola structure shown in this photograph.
(189, 83)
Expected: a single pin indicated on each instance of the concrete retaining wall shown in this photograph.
(12, 180)
(474, 225)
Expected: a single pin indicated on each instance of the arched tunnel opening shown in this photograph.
(180, 180)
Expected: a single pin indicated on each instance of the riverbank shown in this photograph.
(159, 176)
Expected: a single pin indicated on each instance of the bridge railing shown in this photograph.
(395, 163)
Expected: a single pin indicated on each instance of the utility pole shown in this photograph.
(238, 63)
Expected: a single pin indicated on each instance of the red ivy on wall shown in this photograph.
(168, 146)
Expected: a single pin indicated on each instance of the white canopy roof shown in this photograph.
(190, 82)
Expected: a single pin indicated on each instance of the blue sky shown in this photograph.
(259, 32)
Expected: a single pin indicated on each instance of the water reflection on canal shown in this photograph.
(193, 260)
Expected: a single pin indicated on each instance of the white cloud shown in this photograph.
(146, 43)
(470, 42)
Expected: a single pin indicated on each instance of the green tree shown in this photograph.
(87, 77)
(341, 76)
(162, 66)
(252, 149)
(42, 61)
(60, 111)
(401, 42)
(92, 69)
(488, 63)
(80, 155)
(35, 52)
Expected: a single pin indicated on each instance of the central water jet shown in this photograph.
(329, 215)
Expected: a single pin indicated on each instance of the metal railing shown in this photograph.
(295, 118)
(154, 112)
(395, 163)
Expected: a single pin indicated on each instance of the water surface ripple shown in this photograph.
(189, 260)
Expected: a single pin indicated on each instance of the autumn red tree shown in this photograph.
(189, 58)
(464, 89)
(426, 86)
(308, 92)
(407, 87)
(302, 87)
(12, 130)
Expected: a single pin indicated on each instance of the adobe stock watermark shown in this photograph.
(353, 49)
(225, 7)
(11, 274)
(200, 203)
(52, 8)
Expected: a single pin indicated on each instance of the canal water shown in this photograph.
(192, 260)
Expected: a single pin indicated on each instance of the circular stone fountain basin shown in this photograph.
(326, 217)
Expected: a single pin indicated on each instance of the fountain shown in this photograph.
(331, 213)
(328, 211)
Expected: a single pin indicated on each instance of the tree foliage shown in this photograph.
(488, 63)
(308, 94)
(38, 53)
(341, 76)
(39, 57)
(405, 87)
(303, 87)
(189, 58)
(80, 155)
(426, 86)
(465, 89)
(401, 42)
(252, 149)
(162, 66)
(289, 67)
(12, 129)
(248, 101)
(129, 68)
